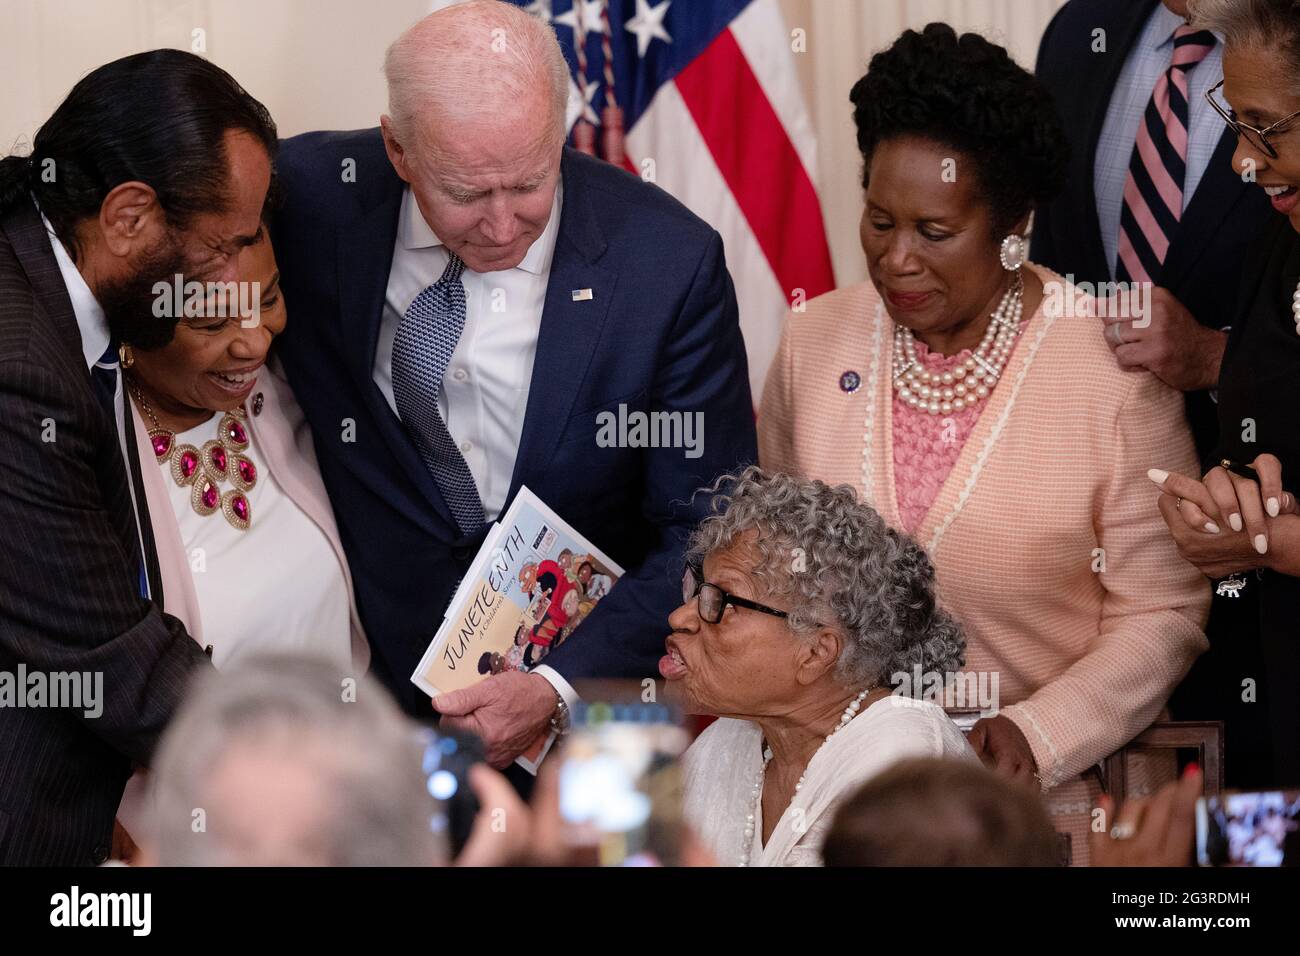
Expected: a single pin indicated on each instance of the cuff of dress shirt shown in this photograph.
(562, 686)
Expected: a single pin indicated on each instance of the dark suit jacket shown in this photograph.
(69, 592)
(1208, 252)
(660, 333)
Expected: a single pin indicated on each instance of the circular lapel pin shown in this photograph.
(850, 382)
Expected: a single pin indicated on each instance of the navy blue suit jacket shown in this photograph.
(660, 333)
(1207, 255)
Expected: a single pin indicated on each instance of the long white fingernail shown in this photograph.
(1261, 544)
(1234, 519)
(1272, 507)
(1211, 527)
(1156, 475)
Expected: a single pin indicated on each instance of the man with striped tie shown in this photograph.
(1153, 198)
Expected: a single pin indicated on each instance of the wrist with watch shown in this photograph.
(559, 723)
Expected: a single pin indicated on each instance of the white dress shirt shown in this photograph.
(485, 391)
(95, 336)
(1150, 57)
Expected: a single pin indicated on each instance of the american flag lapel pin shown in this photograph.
(581, 295)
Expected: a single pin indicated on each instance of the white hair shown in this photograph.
(471, 59)
(873, 583)
(1272, 25)
(357, 747)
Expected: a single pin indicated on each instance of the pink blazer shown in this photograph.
(285, 450)
(1045, 537)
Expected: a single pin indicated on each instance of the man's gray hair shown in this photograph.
(1272, 25)
(363, 753)
(473, 58)
(836, 562)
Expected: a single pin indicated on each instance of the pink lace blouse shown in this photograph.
(927, 446)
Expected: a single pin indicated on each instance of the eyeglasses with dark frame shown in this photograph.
(1252, 134)
(711, 601)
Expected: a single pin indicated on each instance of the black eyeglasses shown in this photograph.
(1252, 134)
(711, 601)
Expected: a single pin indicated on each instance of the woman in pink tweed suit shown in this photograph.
(968, 396)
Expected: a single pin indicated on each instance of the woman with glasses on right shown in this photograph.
(1238, 524)
(801, 610)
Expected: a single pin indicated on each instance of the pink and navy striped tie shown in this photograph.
(1153, 191)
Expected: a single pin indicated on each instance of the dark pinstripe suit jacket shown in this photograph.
(68, 594)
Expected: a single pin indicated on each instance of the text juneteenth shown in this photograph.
(474, 623)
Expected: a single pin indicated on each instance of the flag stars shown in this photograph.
(648, 25)
(589, 95)
(590, 11)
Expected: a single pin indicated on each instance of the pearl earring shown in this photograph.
(1012, 253)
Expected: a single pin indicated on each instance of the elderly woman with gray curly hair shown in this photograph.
(799, 603)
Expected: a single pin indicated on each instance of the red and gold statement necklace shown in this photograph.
(205, 469)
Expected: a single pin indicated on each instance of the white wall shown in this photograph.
(316, 63)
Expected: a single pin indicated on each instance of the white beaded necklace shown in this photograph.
(941, 393)
(756, 794)
(1295, 309)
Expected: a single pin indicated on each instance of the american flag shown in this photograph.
(702, 98)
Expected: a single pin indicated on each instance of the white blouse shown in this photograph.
(276, 586)
(721, 766)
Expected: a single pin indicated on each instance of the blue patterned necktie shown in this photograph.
(422, 351)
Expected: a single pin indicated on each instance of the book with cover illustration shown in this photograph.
(532, 583)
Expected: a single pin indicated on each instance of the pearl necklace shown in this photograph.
(1295, 309)
(756, 794)
(941, 393)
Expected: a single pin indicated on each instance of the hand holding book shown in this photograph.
(508, 712)
(533, 582)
